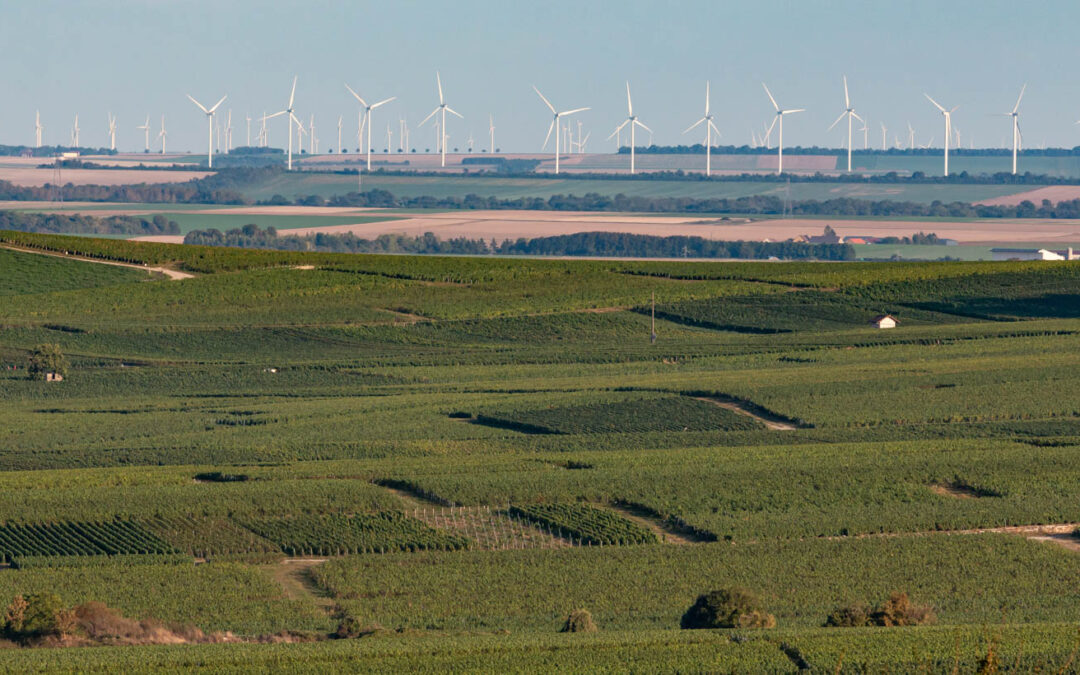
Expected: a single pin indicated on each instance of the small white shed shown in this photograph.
(884, 321)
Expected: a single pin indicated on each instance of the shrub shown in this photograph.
(579, 621)
(15, 616)
(45, 615)
(898, 610)
(727, 608)
(45, 359)
(849, 616)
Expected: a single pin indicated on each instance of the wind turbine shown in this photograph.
(1015, 115)
(779, 116)
(707, 120)
(312, 141)
(911, 136)
(37, 129)
(162, 134)
(290, 119)
(884, 133)
(865, 135)
(228, 132)
(339, 120)
(554, 126)
(112, 132)
(390, 137)
(583, 141)
(367, 114)
(849, 112)
(247, 117)
(633, 121)
(948, 127)
(491, 132)
(442, 108)
(75, 132)
(210, 127)
(145, 128)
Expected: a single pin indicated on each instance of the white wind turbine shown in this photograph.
(442, 108)
(289, 120)
(947, 114)
(554, 126)
(390, 137)
(37, 129)
(367, 118)
(865, 135)
(1015, 115)
(707, 120)
(634, 122)
(162, 134)
(75, 132)
(248, 138)
(780, 139)
(112, 132)
(911, 136)
(340, 119)
(145, 128)
(849, 112)
(491, 132)
(228, 131)
(884, 134)
(313, 142)
(210, 127)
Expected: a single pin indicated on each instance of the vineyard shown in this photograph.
(585, 524)
(341, 534)
(455, 453)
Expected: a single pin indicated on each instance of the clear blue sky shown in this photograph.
(139, 57)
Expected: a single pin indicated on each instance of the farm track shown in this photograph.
(663, 532)
(773, 423)
(1055, 533)
(294, 576)
(173, 275)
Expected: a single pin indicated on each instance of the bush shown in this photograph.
(898, 610)
(45, 359)
(579, 621)
(45, 615)
(727, 608)
(15, 616)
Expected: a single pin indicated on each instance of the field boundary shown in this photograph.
(173, 275)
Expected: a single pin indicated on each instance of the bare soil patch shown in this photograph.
(1055, 193)
(663, 531)
(294, 576)
(774, 423)
(31, 176)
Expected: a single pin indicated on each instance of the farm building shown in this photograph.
(884, 321)
(1033, 254)
(54, 377)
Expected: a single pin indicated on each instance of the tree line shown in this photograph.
(591, 244)
(55, 223)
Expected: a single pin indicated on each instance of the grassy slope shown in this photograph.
(27, 273)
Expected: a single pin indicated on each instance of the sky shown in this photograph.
(136, 58)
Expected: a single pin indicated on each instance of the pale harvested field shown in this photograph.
(1055, 193)
(31, 176)
(529, 224)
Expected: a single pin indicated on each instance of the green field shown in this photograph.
(464, 450)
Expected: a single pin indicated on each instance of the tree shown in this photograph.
(727, 608)
(579, 621)
(45, 359)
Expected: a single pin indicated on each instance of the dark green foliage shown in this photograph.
(338, 535)
(727, 608)
(579, 621)
(47, 359)
(585, 524)
(80, 224)
(118, 537)
(849, 616)
(897, 610)
(672, 413)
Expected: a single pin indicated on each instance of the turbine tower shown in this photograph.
(884, 133)
(634, 122)
(162, 134)
(849, 112)
(75, 132)
(911, 136)
(1015, 115)
(367, 118)
(443, 108)
(339, 121)
(947, 114)
(248, 118)
(210, 127)
(779, 117)
(112, 132)
(37, 129)
(707, 120)
(145, 128)
(491, 132)
(554, 126)
(291, 118)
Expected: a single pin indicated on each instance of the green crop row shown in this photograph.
(342, 534)
(585, 524)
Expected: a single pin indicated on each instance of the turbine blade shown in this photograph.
(706, 98)
(548, 137)
(454, 112)
(438, 81)
(936, 104)
(270, 117)
(768, 132)
(714, 128)
(695, 124)
(769, 94)
(430, 115)
(219, 103)
(292, 94)
(629, 103)
(625, 122)
(642, 125)
(856, 116)
(794, 110)
(1017, 106)
(574, 111)
(201, 106)
(837, 121)
(847, 99)
(362, 102)
(544, 99)
(385, 100)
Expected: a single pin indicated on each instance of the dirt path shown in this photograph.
(294, 575)
(774, 423)
(174, 275)
(1060, 534)
(664, 532)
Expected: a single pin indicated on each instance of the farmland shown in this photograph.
(452, 454)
